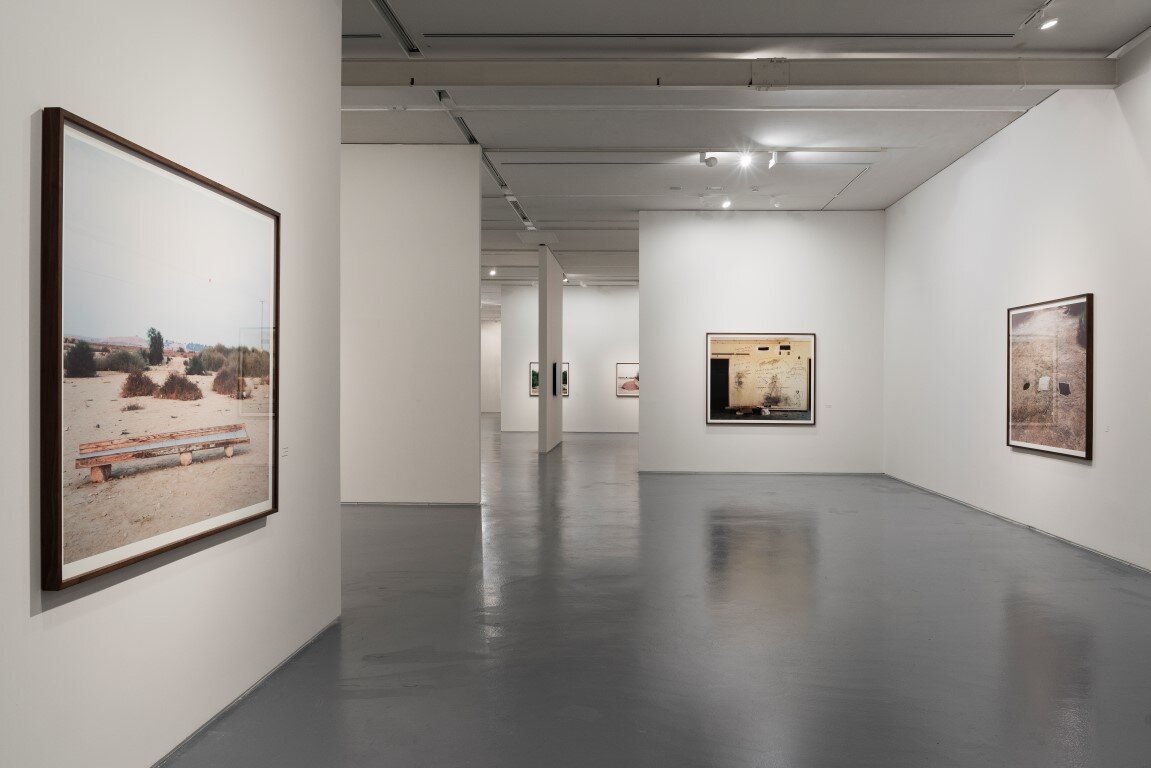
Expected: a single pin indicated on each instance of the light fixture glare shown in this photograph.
(726, 203)
(1049, 23)
(492, 273)
(745, 160)
(774, 159)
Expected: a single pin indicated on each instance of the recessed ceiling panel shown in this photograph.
(682, 99)
(496, 209)
(671, 179)
(462, 28)
(399, 128)
(717, 130)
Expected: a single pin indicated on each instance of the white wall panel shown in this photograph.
(751, 272)
(601, 328)
(1055, 205)
(490, 366)
(410, 357)
(117, 671)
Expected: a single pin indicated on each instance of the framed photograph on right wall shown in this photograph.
(1049, 365)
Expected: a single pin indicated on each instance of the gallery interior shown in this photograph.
(877, 503)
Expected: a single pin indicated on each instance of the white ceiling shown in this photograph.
(744, 28)
(583, 161)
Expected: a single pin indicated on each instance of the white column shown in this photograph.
(551, 351)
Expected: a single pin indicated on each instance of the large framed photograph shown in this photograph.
(761, 378)
(627, 379)
(1049, 363)
(159, 384)
(534, 372)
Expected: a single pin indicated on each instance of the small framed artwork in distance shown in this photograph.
(627, 379)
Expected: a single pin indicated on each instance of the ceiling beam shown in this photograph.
(760, 74)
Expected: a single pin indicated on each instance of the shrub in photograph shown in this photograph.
(124, 361)
(205, 362)
(179, 387)
(228, 382)
(80, 361)
(155, 347)
(194, 366)
(138, 384)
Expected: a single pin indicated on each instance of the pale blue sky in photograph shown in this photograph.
(145, 248)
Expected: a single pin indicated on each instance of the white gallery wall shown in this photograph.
(754, 272)
(117, 671)
(601, 328)
(1057, 204)
(519, 346)
(490, 366)
(410, 328)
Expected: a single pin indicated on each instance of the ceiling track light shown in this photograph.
(745, 159)
(491, 273)
(708, 160)
(1040, 15)
(726, 204)
(774, 159)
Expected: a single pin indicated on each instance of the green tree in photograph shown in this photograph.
(80, 361)
(155, 347)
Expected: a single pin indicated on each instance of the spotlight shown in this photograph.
(1049, 23)
(565, 278)
(492, 273)
(745, 160)
(777, 204)
(710, 162)
(774, 159)
(726, 203)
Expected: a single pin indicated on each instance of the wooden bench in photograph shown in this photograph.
(100, 456)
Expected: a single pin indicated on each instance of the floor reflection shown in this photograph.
(589, 616)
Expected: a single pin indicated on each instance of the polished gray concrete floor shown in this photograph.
(589, 617)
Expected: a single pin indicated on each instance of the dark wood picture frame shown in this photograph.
(55, 122)
(811, 379)
(1088, 332)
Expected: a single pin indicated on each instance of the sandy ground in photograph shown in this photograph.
(1046, 345)
(146, 497)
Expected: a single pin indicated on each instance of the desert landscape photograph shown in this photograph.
(1049, 376)
(167, 395)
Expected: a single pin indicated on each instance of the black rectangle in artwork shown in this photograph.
(162, 299)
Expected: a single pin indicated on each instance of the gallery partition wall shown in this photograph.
(601, 332)
(727, 295)
(410, 329)
(117, 670)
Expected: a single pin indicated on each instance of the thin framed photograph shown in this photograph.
(627, 379)
(1049, 371)
(534, 373)
(159, 358)
(761, 378)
